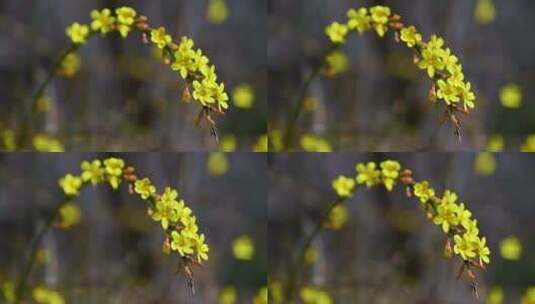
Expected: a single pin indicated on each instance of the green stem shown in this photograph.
(26, 125)
(300, 99)
(34, 246)
(295, 275)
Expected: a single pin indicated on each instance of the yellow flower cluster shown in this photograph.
(192, 65)
(176, 219)
(453, 217)
(441, 65)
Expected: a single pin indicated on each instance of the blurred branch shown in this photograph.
(295, 272)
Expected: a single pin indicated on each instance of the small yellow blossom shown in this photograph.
(43, 295)
(495, 295)
(359, 19)
(114, 169)
(217, 164)
(337, 217)
(45, 143)
(343, 186)
(337, 32)
(314, 143)
(511, 96)
(495, 143)
(227, 295)
(464, 246)
(70, 184)
(410, 36)
(182, 242)
(217, 11)
(78, 33)
(313, 295)
(102, 21)
(367, 174)
(69, 215)
(485, 12)
(126, 17)
(338, 62)
(485, 164)
(243, 96)
(92, 171)
(160, 37)
(380, 15)
(144, 188)
(423, 191)
(511, 248)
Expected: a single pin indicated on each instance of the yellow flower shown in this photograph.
(466, 95)
(167, 208)
(485, 12)
(45, 143)
(423, 191)
(184, 58)
(482, 250)
(380, 15)
(368, 174)
(511, 248)
(114, 169)
(465, 246)
(70, 184)
(144, 188)
(529, 296)
(203, 91)
(511, 96)
(337, 32)
(495, 143)
(243, 96)
(495, 295)
(261, 297)
(201, 248)
(448, 91)
(160, 37)
(337, 217)
(126, 16)
(313, 295)
(78, 33)
(338, 62)
(227, 143)
(432, 55)
(410, 36)
(220, 96)
(70, 215)
(390, 171)
(447, 212)
(358, 19)
(217, 164)
(70, 65)
(8, 139)
(343, 186)
(102, 21)
(92, 171)
(243, 248)
(261, 144)
(182, 243)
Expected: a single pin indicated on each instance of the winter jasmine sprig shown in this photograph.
(441, 65)
(191, 64)
(453, 217)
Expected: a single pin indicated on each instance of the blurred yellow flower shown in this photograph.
(310, 103)
(261, 144)
(8, 140)
(485, 164)
(243, 248)
(495, 295)
(275, 292)
(78, 33)
(495, 143)
(338, 217)
(217, 11)
(511, 248)
(243, 96)
(338, 62)
(261, 297)
(43, 295)
(228, 295)
(343, 185)
(70, 65)
(275, 140)
(42, 104)
(511, 96)
(8, 291)
(485, 12)
(529, 144)
(228, 143)
(217, 164)
(313, 143)
(313, 295)
(529, 296)
(42, 256)
(311, 255)
(69, 215)
(45, 143)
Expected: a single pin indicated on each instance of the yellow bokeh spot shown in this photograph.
(217, 164)
(313, 143)
(338, 62)
(275, 140)
(485, 164)
(495, 143)
(45, 143)
(275, 292)
(338, 217)
(70, 65)
(217, 12)
(261, 144)
(228, 295)
(228, 143)
(311, 255)
(485, 12)
(310, 103)
(313, 295)
(8, 140)
(69, 215)
(43, 295)
(243, 96)
(42, 256)
(511, 96)
(529, 296)
(261, 297)
(511, 248)
(43, 104)
(243, 248)
(8, 291)
(529, 144)
(495, 295)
